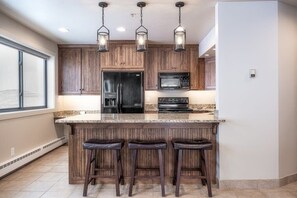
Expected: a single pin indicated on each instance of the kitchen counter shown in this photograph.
(147, 126)
(142, 118)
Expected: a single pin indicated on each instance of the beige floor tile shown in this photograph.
(36, 169)
(7, 194)
(22, 194)
(60, 169)
(51, 177)
(13, 185)
(62, 194)
(29, 177)
(38, 186)
(250, 194)
(77, 193)
(278, 193)
(62, 186)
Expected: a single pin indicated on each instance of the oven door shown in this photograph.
(170, 82)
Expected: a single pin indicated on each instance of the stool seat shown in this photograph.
(192, 144)
(104, 144)
(147, 144)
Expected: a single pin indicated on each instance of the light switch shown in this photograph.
(252, 73)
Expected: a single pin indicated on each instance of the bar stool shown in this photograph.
(134, 146)
(201, 145)
(92, 145)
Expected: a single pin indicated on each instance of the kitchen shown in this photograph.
(251, 113)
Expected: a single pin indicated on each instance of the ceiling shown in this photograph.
(83, 18)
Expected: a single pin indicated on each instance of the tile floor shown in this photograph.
(47, 177)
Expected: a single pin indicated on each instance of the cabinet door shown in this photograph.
(131, 58)
(151, 68)
(174, 61)
(210, 73)
(111, 59)
(69, 70)
(122, 56)
(90, 71)
(168, 60)
(196, 70)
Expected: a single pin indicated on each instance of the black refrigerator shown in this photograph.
(122, 92)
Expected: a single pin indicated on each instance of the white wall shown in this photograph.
(287, 89)
(208, 42)
(27, 130)
(247, 39)
(81, 102)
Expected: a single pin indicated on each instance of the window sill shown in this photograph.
(21, 114)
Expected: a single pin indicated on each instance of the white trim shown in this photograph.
(15, 163)
(20, 114)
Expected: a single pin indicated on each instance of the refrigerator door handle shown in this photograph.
(121, 97)
(118, 96)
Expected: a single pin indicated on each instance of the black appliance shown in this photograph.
(174, 105)
(122, 92)
(180, 80)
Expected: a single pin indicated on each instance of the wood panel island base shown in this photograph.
(139, 126)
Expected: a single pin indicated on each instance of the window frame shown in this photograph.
(21, 50)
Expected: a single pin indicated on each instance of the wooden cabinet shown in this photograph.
(172, 61)
(91, 75)
(210, 73)
(196, 70)
(151, 68)
(79, 70)
(122, 56)
(69, 70)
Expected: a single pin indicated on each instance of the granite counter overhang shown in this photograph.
(141, 118)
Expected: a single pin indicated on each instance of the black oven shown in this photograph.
(180, 80)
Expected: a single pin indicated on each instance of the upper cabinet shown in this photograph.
(196, 70)
(210, 73)
(172, 61)
(122, 56)
(69, 70)
(152, 66)
(79, 70)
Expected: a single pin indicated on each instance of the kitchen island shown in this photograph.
(138, 126)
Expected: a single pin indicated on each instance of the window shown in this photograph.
(23, 77)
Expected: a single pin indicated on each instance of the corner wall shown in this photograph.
(287, 90)
(247, 39)
(26, 130)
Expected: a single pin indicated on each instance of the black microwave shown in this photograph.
(180, 80)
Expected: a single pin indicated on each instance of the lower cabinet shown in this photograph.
(79, 70)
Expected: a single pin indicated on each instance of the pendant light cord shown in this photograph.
(141, 15)
(179, 19)
(102, 16)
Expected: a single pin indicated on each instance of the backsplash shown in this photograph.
(195, 107)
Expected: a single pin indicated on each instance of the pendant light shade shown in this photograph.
(141, 33)
(103, 33)
(179, 32)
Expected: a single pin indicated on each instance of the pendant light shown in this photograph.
(179, 32)
(141, 33)
(103, 32)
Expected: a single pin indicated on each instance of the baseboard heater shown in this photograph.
(21, 160)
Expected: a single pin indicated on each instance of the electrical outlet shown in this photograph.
(12, 151)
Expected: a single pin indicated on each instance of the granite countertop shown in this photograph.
(142, 118)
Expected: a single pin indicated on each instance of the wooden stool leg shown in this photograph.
(121, 167)
(116, 172)
(161, 168)
(207, 173)
(179, 163)
(87, 175)
(94, 166)
(174, 166)
(133, 167)
(202, 166)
